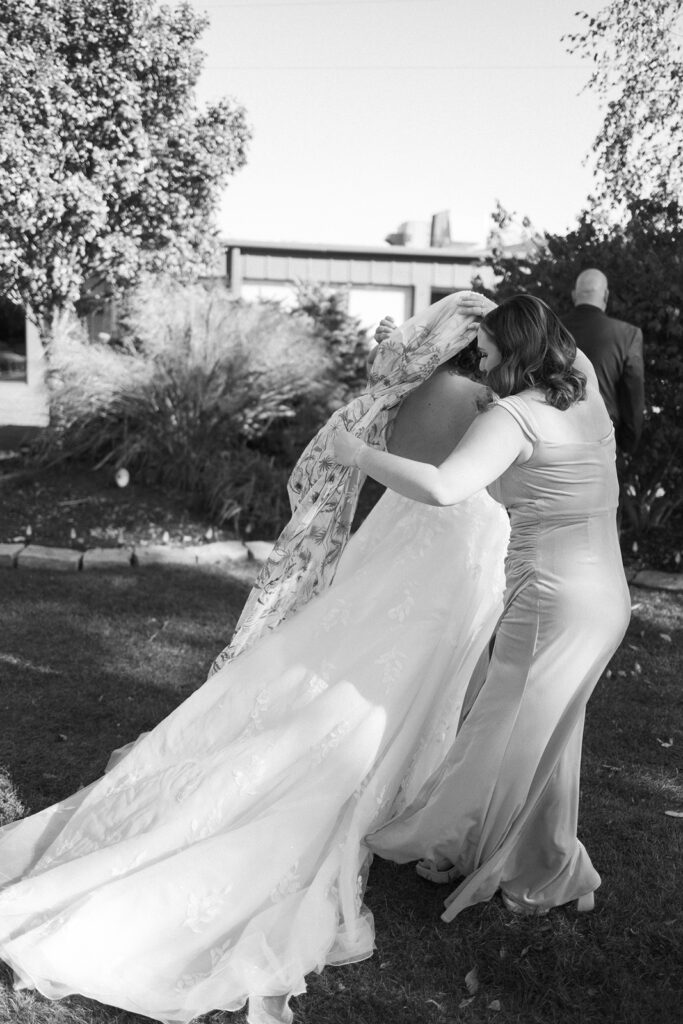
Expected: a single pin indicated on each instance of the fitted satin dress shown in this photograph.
(503, 806)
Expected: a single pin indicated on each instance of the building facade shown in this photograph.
(23, 394)
(393, 280)
(397, 280)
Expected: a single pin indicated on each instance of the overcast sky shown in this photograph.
(367, 113)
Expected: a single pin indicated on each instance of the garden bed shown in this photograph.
(68, 506)
(84, 508)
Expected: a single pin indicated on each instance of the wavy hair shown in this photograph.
(537, 351)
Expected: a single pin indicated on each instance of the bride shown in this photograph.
(221, 857)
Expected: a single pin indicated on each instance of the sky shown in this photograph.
(368, 113)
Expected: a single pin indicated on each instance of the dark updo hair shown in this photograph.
(466, 362)
(536, 350)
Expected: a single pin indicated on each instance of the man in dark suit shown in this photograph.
(615, 349)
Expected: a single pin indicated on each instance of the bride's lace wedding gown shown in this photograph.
(223, 855)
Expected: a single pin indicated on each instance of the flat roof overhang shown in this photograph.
(386, 253)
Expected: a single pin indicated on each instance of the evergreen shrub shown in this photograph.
(643, 261)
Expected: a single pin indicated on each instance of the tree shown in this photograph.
(343, 337)
(643, 261)
(108, 168)
(637, 56)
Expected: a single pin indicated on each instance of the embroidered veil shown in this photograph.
(323, 495)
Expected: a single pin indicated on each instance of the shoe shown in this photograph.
(584, 905)
(428, 869)
(522, 909)
(258, 1012)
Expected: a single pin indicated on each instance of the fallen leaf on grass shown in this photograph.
(465, 1002)
(665, 743)
(674, 814)
(666, 637)
(472, 981)
(495, 1005)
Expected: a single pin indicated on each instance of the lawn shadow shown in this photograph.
(89, 661)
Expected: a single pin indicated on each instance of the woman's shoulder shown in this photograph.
(530, 398)
(522, 407)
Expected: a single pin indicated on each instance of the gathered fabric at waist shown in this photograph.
(549, 543)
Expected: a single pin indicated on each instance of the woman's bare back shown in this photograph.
(434, 417)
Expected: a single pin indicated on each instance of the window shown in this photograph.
(253, 291)
(370, 304)
(441, 293)
(12, 341)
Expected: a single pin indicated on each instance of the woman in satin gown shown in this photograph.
(222, 856)
(501, 811)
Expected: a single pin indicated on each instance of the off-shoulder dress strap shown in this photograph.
(521, 413)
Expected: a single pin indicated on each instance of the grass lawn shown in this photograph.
(88, 661)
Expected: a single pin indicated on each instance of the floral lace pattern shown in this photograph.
(321, 750)
(202, 908)
(289, 883)
(249, 773)
(262, 702)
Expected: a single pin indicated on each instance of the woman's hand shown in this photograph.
(347, 447)
(475, 305)
(385, 327)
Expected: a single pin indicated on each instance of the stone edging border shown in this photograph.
(225, 553)
(652, 579)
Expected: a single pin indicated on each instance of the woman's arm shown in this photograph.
(490, 446)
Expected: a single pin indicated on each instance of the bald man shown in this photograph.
(615, 349)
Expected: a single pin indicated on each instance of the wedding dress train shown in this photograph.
(223, 855)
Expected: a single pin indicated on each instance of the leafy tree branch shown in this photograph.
(108, 167)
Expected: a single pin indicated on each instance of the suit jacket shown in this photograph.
(615, 349)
